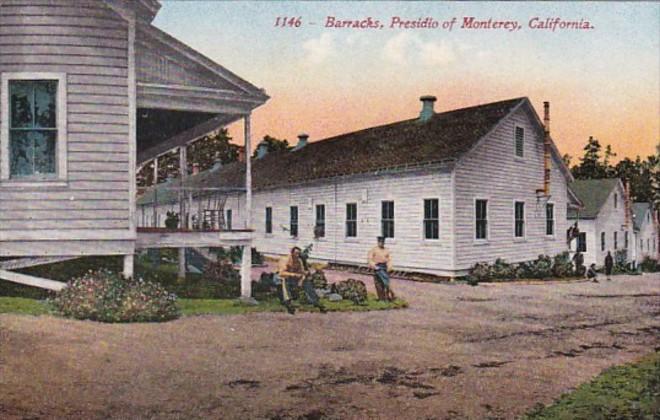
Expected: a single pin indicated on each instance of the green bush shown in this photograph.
(540, 268)
(562, 265)
(235, 255)
(351, 289)
(224, 276)
(107, 297)
(650, 265)
(319, 279)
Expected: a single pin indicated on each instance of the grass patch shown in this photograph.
(630, 391)
(24, 306)
(234, 306)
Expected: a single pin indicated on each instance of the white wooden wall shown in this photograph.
(88, 42)
(493, 172)
(648, 236)
(611, 220)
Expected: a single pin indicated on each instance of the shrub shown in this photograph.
(501, 270)
(235, 255)
(319, 280)
(172, 220)
(224, 276)
(650, 265)
(562, 265)
(107, 297)
(541, 267)
(480, 271)
(351, 289)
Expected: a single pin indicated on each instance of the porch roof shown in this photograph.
(186, 94)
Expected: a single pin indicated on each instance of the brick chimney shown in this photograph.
(302, 141)
(427, 108)
(195, 168)
(241, 154)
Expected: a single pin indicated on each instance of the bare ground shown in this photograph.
(491, 351)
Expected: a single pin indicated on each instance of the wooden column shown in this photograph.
(129, 261)
(246, 264)
(183, 220)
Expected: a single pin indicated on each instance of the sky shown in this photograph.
(603, 81)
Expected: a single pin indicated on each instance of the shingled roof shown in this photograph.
(593, 193)
(639, 213)
(444, 137)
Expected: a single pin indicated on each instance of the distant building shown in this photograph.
(447, 190)
(605, 221)
(646, 231)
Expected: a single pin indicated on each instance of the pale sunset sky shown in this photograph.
(603, 82)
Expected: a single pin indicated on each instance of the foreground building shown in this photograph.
(605, 221)
(90, 91)
(446, 189)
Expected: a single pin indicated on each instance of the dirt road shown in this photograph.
(458, 352)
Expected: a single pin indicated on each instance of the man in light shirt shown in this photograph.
(293, 271)
(380, 260)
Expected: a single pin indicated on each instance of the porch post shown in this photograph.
(246, 265)
(183, 220)
(128, 265)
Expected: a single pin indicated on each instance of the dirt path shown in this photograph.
(458, 352)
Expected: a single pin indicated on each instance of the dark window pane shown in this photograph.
(21, 96)
(45, 93)
(520, 139)
(21, 154)
(44, 151)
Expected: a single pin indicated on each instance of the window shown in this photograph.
(387, 219)
(519, 224)
(582, 242)
(648, 245)
(602, 241)
(351, 220)
(431, 219)
(625, 240)
(228, 221)
(293, 221)
(549, 219)
(520, 141)
(269, 220)
(481, 219)
(33, 138)
(616, 240)
(616, 200)
(319, 226)
(641, 244)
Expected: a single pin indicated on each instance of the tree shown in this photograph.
(607, 158)
(567, 159)
(590, 165)
(204, 152)
(211, 148)
(273, 145)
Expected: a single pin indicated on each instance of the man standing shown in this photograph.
(609, 264)
(380, 261)
(293, 273)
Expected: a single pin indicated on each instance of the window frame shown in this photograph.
(349, 221)
(553, 220)
(268, 220)
(581, 242)
(228, 219)
(515, 142)
(515, 221)
(291, 221)
(615, 238)
(61, 159)
(383, 220)
(318, 207)
(426, 220)
(476, 221)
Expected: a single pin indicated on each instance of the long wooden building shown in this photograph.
(447, 189)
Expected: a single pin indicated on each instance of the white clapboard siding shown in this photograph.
(70, 205)
(407, 190)
(492, 172)
(88, 42)
(58, 40)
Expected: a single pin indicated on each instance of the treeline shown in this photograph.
(643, 175)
